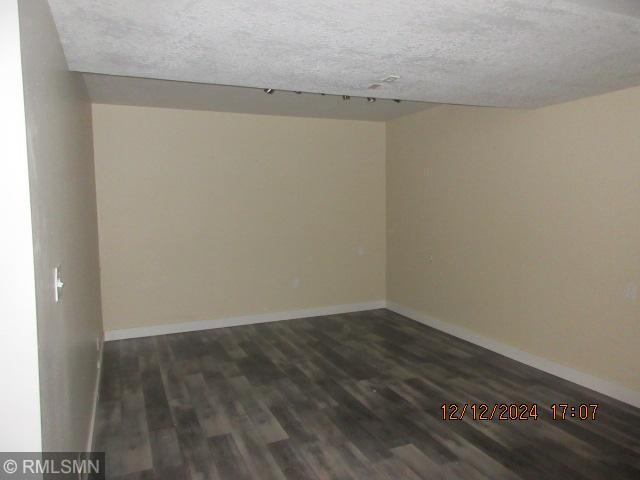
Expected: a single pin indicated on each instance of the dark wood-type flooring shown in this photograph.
(354, 396)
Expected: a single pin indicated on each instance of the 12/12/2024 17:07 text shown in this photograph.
(517, 411)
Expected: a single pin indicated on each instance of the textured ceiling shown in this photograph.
(199, 96)
(479, 52)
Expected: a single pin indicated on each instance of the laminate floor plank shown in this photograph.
(344, 397)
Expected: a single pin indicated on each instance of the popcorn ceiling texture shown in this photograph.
(517, 53)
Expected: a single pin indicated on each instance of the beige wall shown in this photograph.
(520, 225)
(533, 222)
(206, 215)
(63, 204)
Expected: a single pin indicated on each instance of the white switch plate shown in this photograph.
(57, 284)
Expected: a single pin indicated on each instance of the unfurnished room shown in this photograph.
(349, 240)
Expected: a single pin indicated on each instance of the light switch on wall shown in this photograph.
(57, 284)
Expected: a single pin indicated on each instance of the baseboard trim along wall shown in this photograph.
(96, 396)
(606, 387)
(242, 320)
(611, 389)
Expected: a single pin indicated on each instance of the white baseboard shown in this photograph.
(243, 320)
(96, 393)
(606, 387)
